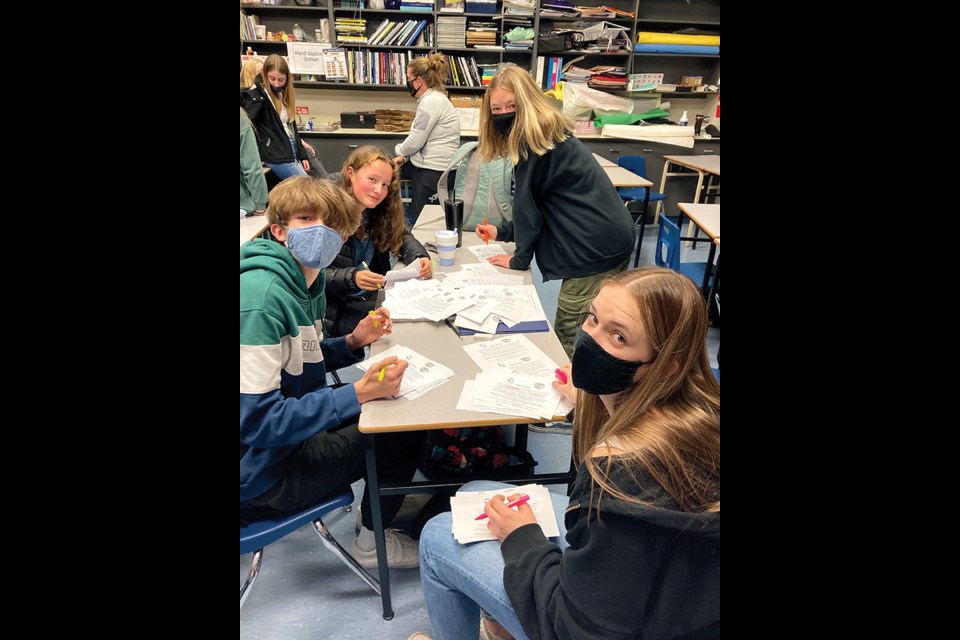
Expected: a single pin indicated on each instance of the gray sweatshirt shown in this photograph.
(435, 133)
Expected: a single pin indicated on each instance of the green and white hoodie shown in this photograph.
(284, 398)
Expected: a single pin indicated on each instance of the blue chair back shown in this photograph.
(257, 535)
(668, 245)
(635, 164)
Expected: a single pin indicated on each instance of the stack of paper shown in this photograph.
(516, 379)
(421, 376)
(465, 506)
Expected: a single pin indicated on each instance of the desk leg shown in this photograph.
(696, 198)
(520, 433)
(643, 224)
(373, 483)
(705, 288)
(663, 185)
(711, 297)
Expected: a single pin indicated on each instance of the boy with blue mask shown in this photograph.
(299, 440)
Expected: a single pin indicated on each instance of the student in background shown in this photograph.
(271, 105)
(249, 70)
(565, 209)
(356, 274)
(253, 186)
(639, 550)
(435, 133)
(299, 440)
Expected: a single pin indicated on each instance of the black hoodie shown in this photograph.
(640, 572)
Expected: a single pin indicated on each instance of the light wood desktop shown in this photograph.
(621, 177)
(603, 161)
(701, 164)
(437, 409)
(251, 227)
(707, 218)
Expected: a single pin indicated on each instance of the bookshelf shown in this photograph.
(390, 38)
(395, 50)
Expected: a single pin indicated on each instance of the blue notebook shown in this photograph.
(534, 326)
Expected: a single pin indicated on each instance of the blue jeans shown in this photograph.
(286, 170)
(460, 579)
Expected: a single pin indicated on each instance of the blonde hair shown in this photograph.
(668, 421)
(387, 218)
(432, 68)
(248, 72)
(305, 194)
(277, 62)
(538, 126)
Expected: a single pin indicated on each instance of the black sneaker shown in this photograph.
(551, 427)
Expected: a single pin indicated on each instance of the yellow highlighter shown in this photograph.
(380, 375)
(365, 266)
(376, 324)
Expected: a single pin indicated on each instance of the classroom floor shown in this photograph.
(303, 591)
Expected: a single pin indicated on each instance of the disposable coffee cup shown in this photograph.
(446, 246)
(453, 217)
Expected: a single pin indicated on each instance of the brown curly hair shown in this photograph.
(387, 218)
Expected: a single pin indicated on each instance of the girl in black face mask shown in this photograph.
(271, 106)
(643, 515)
(565, 208)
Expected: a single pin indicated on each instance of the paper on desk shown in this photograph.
(489, 324)
(484, 251)
(465, 506)
(412, 270)
(513, 354)
(421, 374)
(515, 395)
(464, 402)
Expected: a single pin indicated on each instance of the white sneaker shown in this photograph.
(412, 504)
(402, 552)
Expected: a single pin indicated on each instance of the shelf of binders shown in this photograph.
(676, 55)
(280, 9)
(343, 84)
(577, 52)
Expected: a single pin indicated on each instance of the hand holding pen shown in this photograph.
(486, 232)
(504, 520)
(381, 380)
(369, 280)
(564, 383)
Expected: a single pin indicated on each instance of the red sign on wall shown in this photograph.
(303, 110)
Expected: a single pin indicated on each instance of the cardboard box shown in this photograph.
(466, 101)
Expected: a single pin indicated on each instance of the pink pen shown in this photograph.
(561, 376)
(511, 504)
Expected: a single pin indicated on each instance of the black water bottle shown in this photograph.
(698, 123)
(453, 218)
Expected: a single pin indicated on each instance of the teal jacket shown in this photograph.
(284, 398)
(253, 186)
(474, 183)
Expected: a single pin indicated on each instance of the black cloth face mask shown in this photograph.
(599, 372)
(503, 122)
(413, 92)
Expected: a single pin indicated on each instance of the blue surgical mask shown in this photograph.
(277, 89)
(315, 246)
(599, 372)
